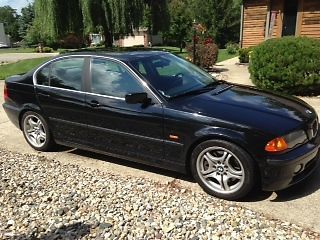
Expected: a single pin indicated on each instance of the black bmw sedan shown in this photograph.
(158, 109)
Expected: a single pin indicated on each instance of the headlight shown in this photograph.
(286, 142)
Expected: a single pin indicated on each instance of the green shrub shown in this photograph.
(206, 54)
(232, 48)
(47, 49)
(244, 54)
(44, 50)
(290, 65)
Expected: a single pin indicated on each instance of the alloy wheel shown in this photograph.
(34, 131)
(220, 170)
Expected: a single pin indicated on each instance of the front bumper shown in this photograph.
(282, 171)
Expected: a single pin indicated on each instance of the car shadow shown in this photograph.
(73, 231)
(217, 70)
(300, 190)
(132, 164)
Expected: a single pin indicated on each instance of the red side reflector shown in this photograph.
(5, 93)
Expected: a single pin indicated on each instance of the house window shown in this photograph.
(290, 17)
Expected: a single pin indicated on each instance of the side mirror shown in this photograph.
(134, 98)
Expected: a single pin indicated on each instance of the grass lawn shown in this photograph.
(26, 65)
(20, 67)
(224, 55)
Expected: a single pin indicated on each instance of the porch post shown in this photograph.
(299, 18)
(241, 25)
(267, 28)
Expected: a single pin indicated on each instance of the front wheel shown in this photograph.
(223, 169)
(36, 131)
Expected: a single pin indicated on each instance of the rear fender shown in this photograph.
(29, 107)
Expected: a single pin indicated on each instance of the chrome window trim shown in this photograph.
(64, 89)
(143, 83)
(106, 96)
(76, 91)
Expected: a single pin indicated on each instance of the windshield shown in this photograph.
(171, 75)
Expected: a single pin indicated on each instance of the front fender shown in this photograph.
(251, 142)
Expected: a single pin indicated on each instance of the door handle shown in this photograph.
(94, 103)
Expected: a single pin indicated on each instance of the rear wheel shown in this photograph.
(223, 169)
(36, 131)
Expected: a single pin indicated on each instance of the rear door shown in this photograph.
(59, 87)
(130, 130)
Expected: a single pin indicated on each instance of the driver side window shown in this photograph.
(110, 78)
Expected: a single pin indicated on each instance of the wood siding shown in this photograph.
(311, 19)
(255, 15)
(254, 22)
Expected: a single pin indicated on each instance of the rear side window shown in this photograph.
(43, 76)
(66, 74)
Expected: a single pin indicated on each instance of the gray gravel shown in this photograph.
(43, 199)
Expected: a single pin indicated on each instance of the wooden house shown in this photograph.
(264, 19)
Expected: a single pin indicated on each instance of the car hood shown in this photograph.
(250, 107)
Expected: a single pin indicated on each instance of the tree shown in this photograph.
(180, 21)
(56, 18)
(221, 18)
(115, 17)
(156, 16)
(9, 17)
(25, 20)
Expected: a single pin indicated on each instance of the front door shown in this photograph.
(114, 126)
(290, 18)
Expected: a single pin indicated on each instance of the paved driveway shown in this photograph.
(14, 57)
(299, 204)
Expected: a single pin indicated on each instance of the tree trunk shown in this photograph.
(108, 42)
(181, 42)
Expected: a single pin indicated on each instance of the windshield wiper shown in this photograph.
(214, 84)
(206, 88)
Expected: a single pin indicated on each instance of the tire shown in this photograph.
(36, 131)
(223, 169)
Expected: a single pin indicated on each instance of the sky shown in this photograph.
(16, 4)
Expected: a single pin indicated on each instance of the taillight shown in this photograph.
(5, 93)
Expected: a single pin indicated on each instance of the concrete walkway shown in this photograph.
(231, 71)
(14, 57)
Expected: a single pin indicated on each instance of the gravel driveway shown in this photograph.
(41, 198)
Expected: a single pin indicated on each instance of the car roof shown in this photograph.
(122, 56)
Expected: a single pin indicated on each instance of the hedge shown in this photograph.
(289, 65)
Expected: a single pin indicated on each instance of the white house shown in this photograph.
(4, 39)
(140, 37)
